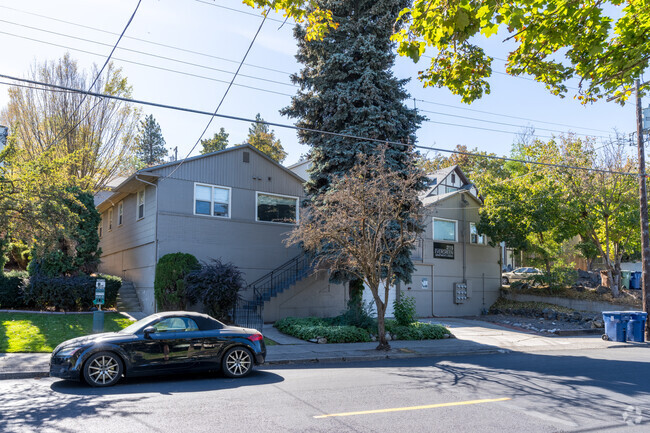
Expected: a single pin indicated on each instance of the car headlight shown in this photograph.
(68, 351)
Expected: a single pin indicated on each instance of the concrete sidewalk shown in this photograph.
(472, 337)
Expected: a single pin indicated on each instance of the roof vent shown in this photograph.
(247, 157)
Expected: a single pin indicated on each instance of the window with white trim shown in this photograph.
(211, 200)
(140, 203)
(120, 213)
(100, 227)
(445, 230)
(110, 219)
(474, 237)
(276, 208)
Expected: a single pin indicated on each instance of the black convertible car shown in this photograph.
(170, 342)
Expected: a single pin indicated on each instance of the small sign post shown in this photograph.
(100, 297)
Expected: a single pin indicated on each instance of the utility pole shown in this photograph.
(643, 199)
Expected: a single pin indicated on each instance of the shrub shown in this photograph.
(404, 310)
(217, 286)
(11, 293)
(19, 254)
(310, 328)
(68, 293)
(359, 314)
(169, 282)
(416, 331)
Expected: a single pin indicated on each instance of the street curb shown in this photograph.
(382, 357)
(24, 375)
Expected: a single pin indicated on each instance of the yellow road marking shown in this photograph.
(429, 406)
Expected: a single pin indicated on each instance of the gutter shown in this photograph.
(155, 263)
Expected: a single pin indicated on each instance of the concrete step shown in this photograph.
(127, 298)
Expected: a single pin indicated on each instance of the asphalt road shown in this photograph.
(585, 391)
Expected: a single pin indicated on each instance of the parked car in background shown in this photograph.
(163, 343)
(519, 274)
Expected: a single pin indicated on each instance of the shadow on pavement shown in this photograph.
(570, 390)
(176, 383)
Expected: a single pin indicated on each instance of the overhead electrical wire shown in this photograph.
(99, 74)
(254, 77)
(298, 128)
(250, 46)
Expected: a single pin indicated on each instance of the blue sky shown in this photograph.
(219, 32)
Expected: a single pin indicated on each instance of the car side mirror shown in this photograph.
(149, 330)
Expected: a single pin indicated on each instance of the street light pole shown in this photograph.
(643, 199)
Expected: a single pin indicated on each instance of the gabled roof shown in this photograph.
(437, 177)
(220, 152)
(135, 182)
(434, 199)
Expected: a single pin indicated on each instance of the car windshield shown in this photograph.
(134, 327)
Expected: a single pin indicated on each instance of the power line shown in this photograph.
(146, 65)
(299, 128)
(171, 59)
(254, 77)
(508, 116)
(134, 39)
(250, 46)
(99, 74)
(497, 123)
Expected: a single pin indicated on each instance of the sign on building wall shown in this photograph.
(443, 251)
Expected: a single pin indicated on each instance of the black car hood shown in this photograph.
(94, 338)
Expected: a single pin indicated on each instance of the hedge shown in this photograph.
(311, 328)
(68, 293)
(11, 293)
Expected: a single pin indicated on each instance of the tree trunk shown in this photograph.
(381, 328)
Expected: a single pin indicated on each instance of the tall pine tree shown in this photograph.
(150, 144)
(347, 86)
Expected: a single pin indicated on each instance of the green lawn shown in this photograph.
(30, 332)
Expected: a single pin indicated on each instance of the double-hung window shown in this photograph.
(474, 237)
(140, 210)
(120, 213)
(277, 208)
(211, 200)
(445, 230)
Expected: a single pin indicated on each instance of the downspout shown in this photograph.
(463, 236)
(155, 240)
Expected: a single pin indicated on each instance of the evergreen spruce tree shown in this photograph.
(216, 143)
(150, 144)
(261, 137)
(347, 86)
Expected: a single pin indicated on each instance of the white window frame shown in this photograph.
(120, 213)
(137, 205)
(433, 229)
(257, 199)
(110, 219)
(480, 239)
(100, 227)
(212, 200)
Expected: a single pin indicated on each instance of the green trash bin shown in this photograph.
(625, 279)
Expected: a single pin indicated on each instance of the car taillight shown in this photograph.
(255, 337)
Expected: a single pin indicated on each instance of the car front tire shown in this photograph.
(505, 281)
(103, 369)
(237, 362)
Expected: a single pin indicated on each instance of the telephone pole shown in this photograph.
(643, 199)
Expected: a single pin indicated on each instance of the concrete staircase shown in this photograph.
(127, 298)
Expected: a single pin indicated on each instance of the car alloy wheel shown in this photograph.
(103, 369)
(237, 362)
(504, 280)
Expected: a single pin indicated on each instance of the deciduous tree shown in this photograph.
(216, 143)
(263, 138)
(97, 131)
(363, 223)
